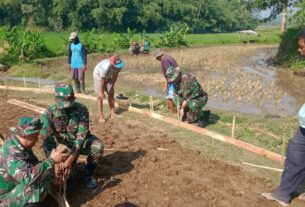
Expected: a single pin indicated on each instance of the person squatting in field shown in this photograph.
(24, 181)
(67, 123)
(190, 96)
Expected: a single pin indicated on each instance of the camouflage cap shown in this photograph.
(27, 126)
(172, 73)
(64, 95)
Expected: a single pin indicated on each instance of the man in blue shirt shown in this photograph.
(77, 59)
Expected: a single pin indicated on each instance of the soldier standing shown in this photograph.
(189, 96)
(24, 181)
(67, 122)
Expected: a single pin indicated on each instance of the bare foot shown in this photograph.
(114, 115)
(270, 197)
(101, 120)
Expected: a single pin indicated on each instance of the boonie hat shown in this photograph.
(172, 73)
(27, 126)
(64, 95)
(73, 35)
(158, 53)
(302, 116)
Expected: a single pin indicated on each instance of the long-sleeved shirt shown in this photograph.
(19, 165)
(189, 89)
(70, 126)
(77, 55)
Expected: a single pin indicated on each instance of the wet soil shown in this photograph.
(147, 168)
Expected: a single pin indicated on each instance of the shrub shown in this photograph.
(23, 46)
(175, 37)
(123, 40)
(288, 55)
(92, 42)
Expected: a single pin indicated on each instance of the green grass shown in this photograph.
(56, 41)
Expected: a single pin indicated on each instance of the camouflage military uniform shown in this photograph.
(23, 179)
(190, 90)
(67, 122)
(187, 88)
(71, 128)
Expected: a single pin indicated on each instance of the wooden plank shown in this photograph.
(252, 148)
(51, 91)
(26, 105)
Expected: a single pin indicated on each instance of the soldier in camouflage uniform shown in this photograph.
(190, 96)
(24, 181)
(67, 122)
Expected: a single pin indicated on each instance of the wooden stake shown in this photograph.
(5, 82)
(151, 103)
(264, 167)
(233, 127)
(24, 82)
(38, 80)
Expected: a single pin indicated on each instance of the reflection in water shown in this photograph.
(255, 87)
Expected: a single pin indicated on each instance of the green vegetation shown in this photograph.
(288, 55)
(116, 16)
(175, 37)
(23, 46)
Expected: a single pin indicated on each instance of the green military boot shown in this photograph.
(82, 87)
(204, 119)
(76, 86)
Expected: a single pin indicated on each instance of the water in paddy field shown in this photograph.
(255, 87)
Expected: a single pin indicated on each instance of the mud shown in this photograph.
(147, 168)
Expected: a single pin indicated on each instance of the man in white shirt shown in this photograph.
(105, 75)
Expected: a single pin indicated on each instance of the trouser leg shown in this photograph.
(93, 148)
(22, 195)
(294, 172)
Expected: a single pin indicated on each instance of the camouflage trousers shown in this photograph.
(92, 147)
(22, 194)
(194, 110)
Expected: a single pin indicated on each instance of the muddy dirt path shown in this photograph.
(138, 174)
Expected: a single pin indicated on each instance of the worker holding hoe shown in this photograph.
(294, 169)
(190, 96)
(67, 123)
(24, 181)
(166, 62)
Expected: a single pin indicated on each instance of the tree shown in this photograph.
(276, 6)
